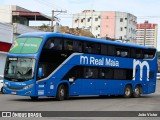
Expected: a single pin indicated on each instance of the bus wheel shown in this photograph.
(34, 98)
(61, 93)
(128, 91)
(137, 91)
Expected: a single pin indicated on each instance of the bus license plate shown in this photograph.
(13, 93)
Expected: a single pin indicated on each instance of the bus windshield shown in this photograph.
(19, 69)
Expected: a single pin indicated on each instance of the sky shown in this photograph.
(143, 9)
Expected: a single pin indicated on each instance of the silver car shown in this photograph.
(1, 83)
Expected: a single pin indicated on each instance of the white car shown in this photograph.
(1, 83)
(158, 76)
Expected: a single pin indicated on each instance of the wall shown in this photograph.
(6, 14)
(108, 24)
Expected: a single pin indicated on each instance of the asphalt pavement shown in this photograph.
(149, 102)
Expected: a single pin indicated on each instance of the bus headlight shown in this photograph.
(28, 86)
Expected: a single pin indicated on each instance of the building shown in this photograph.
(20, 17)
(107, 24)
(147, 34)
(6, 33)
(14, 21)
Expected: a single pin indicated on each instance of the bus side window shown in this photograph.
(68, 45)
(101, 73)
(149, 54)
(87, 47)
(90, 72)
(109, 73)
(103, 49)
(96, 48)
(77, 46)
(132, 53)
(53, 43)
(122, 52)
(120, 74)
(111, 50)
(139, 54)
(75, 73)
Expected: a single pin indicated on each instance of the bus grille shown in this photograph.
(14, 88)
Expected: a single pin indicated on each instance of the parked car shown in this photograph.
(1, 83)
(158, 76)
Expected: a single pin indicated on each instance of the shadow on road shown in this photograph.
(53, 99)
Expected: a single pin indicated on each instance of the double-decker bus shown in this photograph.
(62, 65)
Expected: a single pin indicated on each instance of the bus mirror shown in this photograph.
(40, 72)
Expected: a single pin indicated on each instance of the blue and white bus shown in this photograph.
(62, 65)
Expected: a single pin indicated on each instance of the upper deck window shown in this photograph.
(122, 52)
(54, 43)
(90, 47)
(149, 54)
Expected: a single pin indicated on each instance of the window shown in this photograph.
(121, 28)
(90, 72)
(121, 19)
(111, 50)
(120, 37)
(77, 46)
(149, 54)
(75, 73)
(86, 72)
(90, 47)
(104, 49)
(120, 74)
(96, 28)
(138, 54)
(108, 73)
(53, 43)
(68, 45)
(122, 52)
(89, 19)
(96, 19)
(115, 74)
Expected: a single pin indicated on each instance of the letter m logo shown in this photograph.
(83, 60)
(141, 65)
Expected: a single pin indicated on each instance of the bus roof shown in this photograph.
(82, 38)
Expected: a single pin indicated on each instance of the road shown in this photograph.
(145, 103)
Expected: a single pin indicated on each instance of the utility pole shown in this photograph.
(53, 11)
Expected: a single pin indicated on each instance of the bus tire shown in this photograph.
(34, 98)
(127, 91)
(61, 93)
(137, 91)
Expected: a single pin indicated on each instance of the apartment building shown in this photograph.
(147, 34)
(107, 24)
